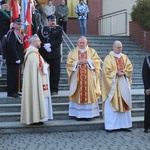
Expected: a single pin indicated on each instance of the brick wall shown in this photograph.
(95, 7)
(139, 35)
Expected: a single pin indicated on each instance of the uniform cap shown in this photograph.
(17, 21)
(3, 2)
(51, 17)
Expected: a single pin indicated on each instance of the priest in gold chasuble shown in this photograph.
(116, 89)
(83, 68)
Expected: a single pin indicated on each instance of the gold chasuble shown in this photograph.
(110, 79)
(84, 81)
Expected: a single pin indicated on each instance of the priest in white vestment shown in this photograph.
(116, 89)
(83, 68)
(36, 105)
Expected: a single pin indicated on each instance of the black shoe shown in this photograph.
(87, 119)
(19, 94)
(38, 123)
(13, 95)
(126, 129)
(54, 93)
(79, 119)
(109, 131)
(146, 130)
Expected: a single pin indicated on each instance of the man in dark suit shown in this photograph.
(51, 38)
(4, 19)
(14, 58)
(146, 81)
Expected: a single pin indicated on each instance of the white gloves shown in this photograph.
(4, 61)
(47, 47)
(18, 61)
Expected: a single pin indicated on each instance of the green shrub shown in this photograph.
(141, 13)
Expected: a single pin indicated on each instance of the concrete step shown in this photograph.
(137, 86)
(136, 73)
(60, 126)
(58, 115)
(64, 87)
(63, 97)
(139, 97)
(3, 81)
(58, 106)
(17, 107)
(55, 98)
(10, 107)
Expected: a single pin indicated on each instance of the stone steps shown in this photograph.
(16, 108)
(64, 87)
(65, 80)
(58, 106)
(62, 97)
(60, 126)
(58, 115)
(10, 107)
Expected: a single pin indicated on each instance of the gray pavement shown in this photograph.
(83, 140)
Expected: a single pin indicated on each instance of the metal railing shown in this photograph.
(68, 42)
(115, 23)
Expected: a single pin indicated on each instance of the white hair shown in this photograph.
(116, 43)
(83, 37)
(33, 38)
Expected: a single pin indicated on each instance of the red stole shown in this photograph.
(83, 78)
(120, 63)
(120, 67)
(45, 86)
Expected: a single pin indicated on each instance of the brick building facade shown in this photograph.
(95, 10)
(139, 35)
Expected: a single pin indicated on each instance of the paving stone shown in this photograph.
(83, 140)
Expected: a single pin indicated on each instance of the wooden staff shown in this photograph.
(19, 78)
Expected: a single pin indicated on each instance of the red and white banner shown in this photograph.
(14, 9)
(26, 17)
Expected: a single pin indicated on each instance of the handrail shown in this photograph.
(111, 22)
(65, 39)
(112, 13)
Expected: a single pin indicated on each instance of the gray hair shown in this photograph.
(116, 43)
(33, 38)
(82, 37)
